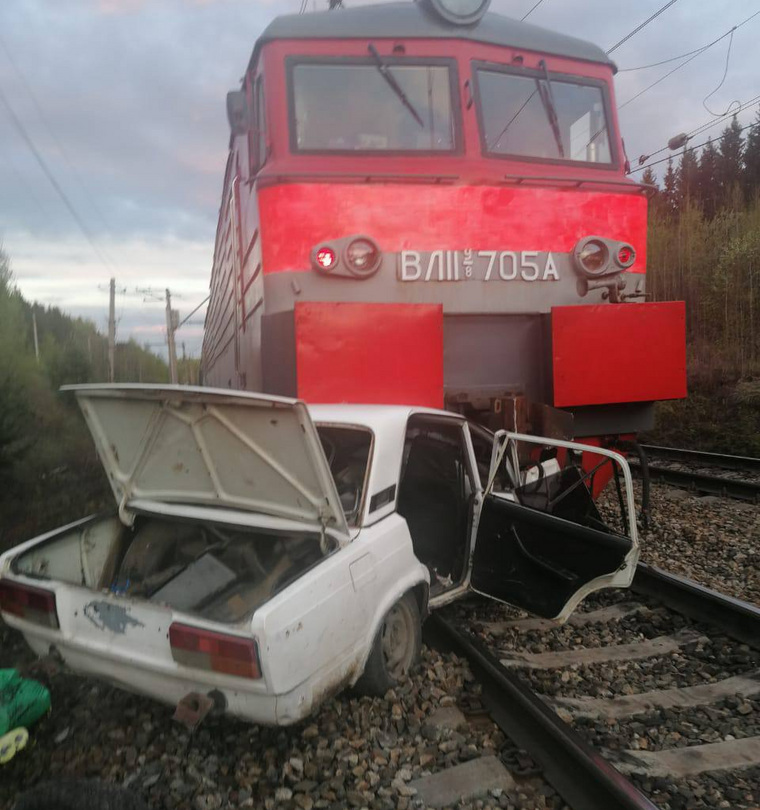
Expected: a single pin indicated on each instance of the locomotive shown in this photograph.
(427, 203)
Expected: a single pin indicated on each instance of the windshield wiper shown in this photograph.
(393, 84)
(547, 99)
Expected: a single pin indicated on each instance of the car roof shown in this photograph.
(414, 20)
(378, 418)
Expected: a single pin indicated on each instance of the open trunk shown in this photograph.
(223, 498)
(204, 568)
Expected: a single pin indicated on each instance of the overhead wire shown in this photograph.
(525, 17)
(695, 51)
(708, 125)
(693, 55)
(725, 73)
(21, 129)
(640, 27)
(687, 149)
(51, 132)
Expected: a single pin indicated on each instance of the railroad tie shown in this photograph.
(600, 616)
(678, 763)
(628, 705)
(662, 645)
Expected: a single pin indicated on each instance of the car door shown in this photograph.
(541, 542)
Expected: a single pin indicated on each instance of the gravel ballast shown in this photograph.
(714, 541)
(355, 752)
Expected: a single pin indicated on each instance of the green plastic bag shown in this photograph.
(22, 701)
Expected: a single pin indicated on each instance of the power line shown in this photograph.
(687, 149)
(643, 25)
(725, 73)
(694, 55)
(532, 10)
(695, 51)
(704, 127)
(661, 79)
(51, 133)
(19, 126)
(714, 122)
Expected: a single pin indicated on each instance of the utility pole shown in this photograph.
(171, 325)
(112, 331)
(36, 341)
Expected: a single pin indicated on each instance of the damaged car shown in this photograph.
(264, 554)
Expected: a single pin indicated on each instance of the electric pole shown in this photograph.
(171, 325)
(112, 331)
(36, 341)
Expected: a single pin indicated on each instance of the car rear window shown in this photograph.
(348, 452)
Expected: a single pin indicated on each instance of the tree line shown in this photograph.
(704, 248)
(49, 472)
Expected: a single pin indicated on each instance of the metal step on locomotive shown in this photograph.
(427, 203)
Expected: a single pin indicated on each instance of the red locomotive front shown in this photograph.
(426, 203)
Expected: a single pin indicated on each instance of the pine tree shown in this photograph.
(648, 177)
(752, 161)
(730, 154)
(670, 189)
(686, 183)
(707, 179)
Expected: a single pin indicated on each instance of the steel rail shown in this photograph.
(575, 770)
(726, 462)
(703, 483)
(740, 620)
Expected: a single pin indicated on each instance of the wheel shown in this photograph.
(78, 794)
(395, 650)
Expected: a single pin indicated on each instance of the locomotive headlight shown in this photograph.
(362, 256)
(460, 12)
(592, 256)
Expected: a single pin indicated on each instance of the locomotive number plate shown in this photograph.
(476, 265)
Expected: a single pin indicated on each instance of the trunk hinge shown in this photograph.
(126, 516)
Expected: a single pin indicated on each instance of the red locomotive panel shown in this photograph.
(386, 354)
(454, 217)
(614, 353)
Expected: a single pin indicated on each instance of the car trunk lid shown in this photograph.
(181, 445)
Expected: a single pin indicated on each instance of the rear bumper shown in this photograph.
(245, 699)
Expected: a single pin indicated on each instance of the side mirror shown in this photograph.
(238, 113)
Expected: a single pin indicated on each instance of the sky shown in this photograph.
(125, 102)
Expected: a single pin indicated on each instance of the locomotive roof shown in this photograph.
(413, 20)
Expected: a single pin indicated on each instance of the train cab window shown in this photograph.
(541, 116)
(351, 106)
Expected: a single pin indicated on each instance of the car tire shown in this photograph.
(395, 650)
(78, 794)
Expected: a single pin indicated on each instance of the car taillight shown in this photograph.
(33, 604)
(204, 649)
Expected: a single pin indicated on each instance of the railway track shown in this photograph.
(643, 700)
(706, 473)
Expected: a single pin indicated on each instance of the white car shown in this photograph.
(267, 554)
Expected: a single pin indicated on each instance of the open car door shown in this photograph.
(541, 544)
